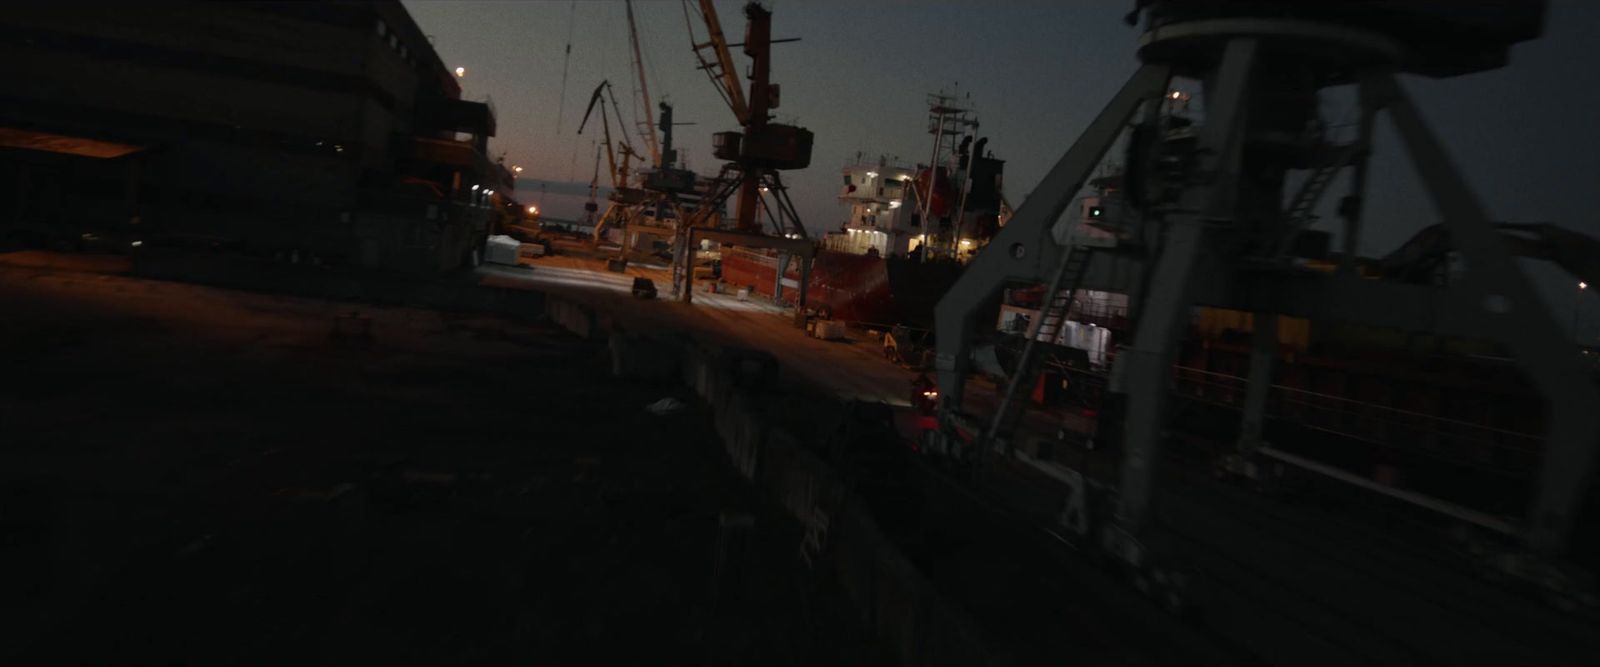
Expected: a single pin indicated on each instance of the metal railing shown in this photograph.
(1102, 313)
(1478, 445)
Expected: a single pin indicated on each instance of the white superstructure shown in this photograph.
(880, 218)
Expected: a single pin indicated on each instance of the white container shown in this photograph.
(501, 250)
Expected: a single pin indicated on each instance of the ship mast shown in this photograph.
(946, 120)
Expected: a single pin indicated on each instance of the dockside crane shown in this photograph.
(619, 156)
(666, 180)
(1211, 222)
(755, 154)
(761, 148)
(619, 172)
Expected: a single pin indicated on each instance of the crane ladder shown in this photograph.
(1298, 213)
(1063, 287)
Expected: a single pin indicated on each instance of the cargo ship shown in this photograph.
(909, 231)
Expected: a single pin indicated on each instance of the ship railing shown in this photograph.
(1084, 306)
(1099, 313)
(884, 161)
(1477, 445)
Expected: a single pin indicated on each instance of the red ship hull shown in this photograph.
(855, 288)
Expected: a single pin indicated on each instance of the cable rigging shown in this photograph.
(566, 62)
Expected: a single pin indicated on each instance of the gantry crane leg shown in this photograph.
(1519, 319)
(1147, 371)
(1024, 249)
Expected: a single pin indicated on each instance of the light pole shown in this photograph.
(1577, 302)
(759, 220)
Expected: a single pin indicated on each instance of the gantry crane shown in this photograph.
(1211, 217)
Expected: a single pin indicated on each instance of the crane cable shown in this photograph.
(645, 128)
(572, 12)
(566, 63)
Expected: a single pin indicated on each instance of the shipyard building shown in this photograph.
(327, 132)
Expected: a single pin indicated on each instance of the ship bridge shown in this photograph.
(879, 218)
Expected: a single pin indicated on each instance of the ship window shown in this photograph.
(847, 179)
(383, 28)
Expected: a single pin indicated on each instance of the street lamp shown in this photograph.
(533, 210)
(516, 169)
(1577, 302)
(461, 72)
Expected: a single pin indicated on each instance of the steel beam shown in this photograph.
(801, 247)
(1165, 311)
(1263, 356)
(777, 285)
(1358, 186)
(1527, 326)
(805, 284)
(1024, 249)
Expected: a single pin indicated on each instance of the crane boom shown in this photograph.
(721, 70)
(761, 147)
(644, 90)
(617, 178)
(624, 148)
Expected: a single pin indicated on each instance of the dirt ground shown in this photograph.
(206, 476)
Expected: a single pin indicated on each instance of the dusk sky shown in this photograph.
(1526, 135)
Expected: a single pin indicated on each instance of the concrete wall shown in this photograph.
(895, 601)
